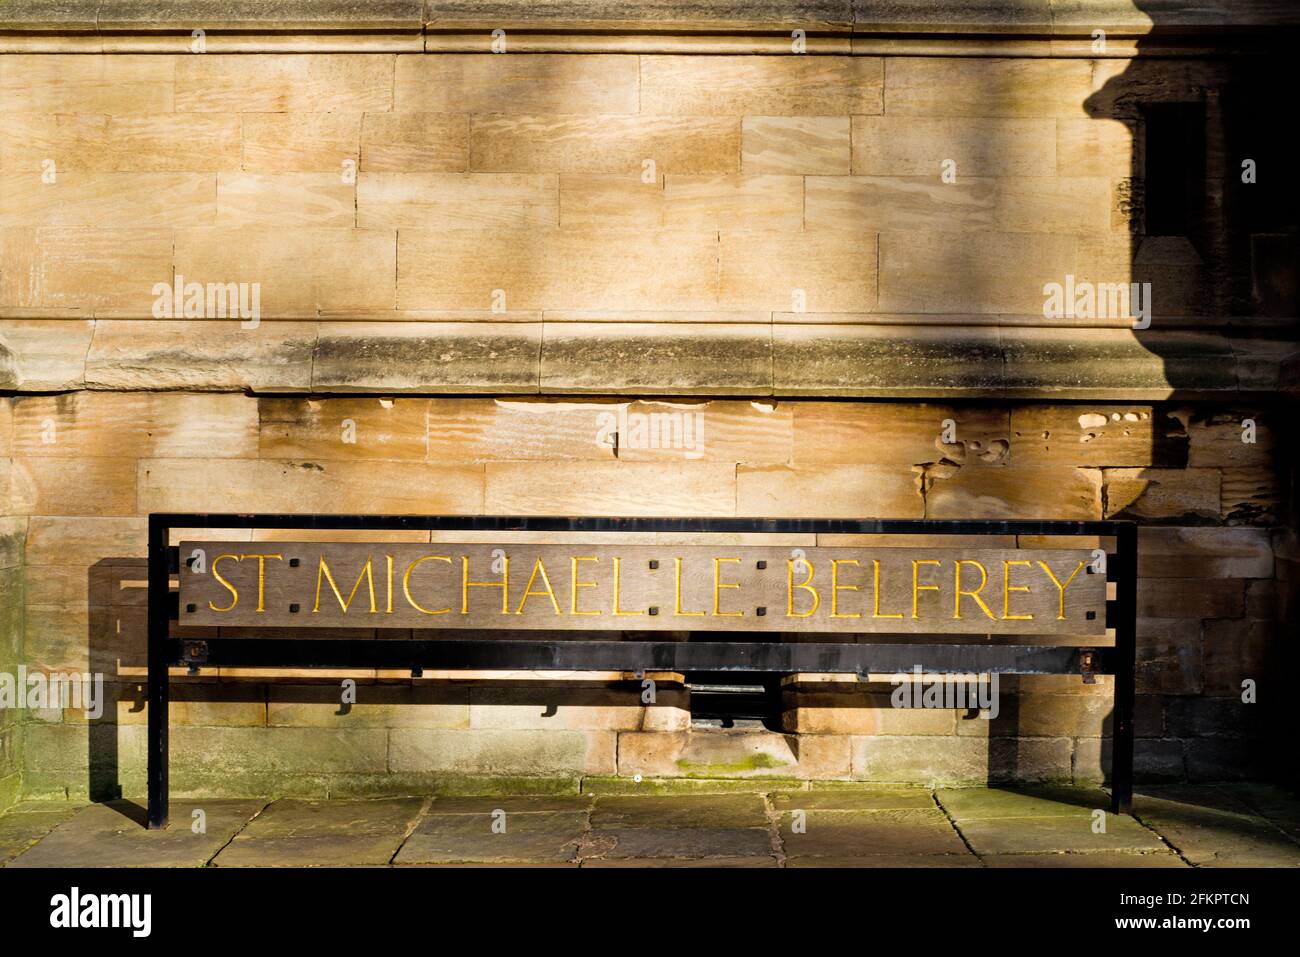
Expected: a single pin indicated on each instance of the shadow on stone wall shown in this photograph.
(1221, 256)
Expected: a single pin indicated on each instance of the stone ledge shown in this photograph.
(641, 358)
(635, 26)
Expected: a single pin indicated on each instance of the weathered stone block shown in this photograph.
(1133, 436)
(977, 490)
(1236, 651)
(813, 271)
(1191, 598)
(1162, 494)
(455, 83)
(934, 272)
(610, 488)
(1205, 553)
(826, 360)
(831, 490)
(285, 199)
(367, 428)
(801, 145)
(299, 271)
(579, 707)
(765, 86)
(431, 357)
(741, 754)
(978, 86)
(1169, 659)
(267, 83)
(556, 269)
(136, 424)
(733, 203)
(43, 355)
(376, 706)
(72, 83)
(558, 143)
(57, 485)
(603, 200)
(844, 710)
(939, 759)
(200, 356)
(656, 359)
(86, 268)
(456, 200)
(494, 751)
(979, 146)
(173, 485)
(303, 142)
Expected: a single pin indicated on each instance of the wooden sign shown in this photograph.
(642, 588)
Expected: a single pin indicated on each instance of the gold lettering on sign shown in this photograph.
(367, 572)
(677, 564)
(234, 592)
(714, 586)
(836, 587)
(406, 583)
(959, 592)
(917, 587)
(1060, 587)
(875, 610)
(575, 584)
(538, 567)
(261, 576)
(806, 585)
(718, 585)
(618, 584)
(503, 584)
(1008, 588)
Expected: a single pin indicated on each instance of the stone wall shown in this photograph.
(471, 255)
(88, 466)
(12, 534)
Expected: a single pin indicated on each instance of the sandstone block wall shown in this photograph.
(472, 257)
(87, 467)
(12, 534)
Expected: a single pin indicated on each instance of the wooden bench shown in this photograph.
(790, 639)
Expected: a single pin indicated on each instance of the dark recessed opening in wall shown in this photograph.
(1174, 172)
(731, 699)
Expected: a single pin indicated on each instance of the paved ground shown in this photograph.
(1223, 826)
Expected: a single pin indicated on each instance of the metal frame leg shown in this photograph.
(159, 696)
(1125, 670)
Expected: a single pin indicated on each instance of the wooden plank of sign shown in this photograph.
(606, 588)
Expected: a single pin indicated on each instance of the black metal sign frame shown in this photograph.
(167, 650)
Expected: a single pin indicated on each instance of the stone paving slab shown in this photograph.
(848, 826)
(550, 836)
(1107, 859)
(1062, 832)
(971, 804)
(114, 835)
(25, 824)
(296, 833)
(867, 833)
(1273, 804)
(729, 862)
(680, 842)
(1189, 799)
(875, 799)
(887, 860)
(545, 865)
(1209, 837)
(687, 810)
(511, 804)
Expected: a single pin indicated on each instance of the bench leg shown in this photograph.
(158, 694)
(1125, 670)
